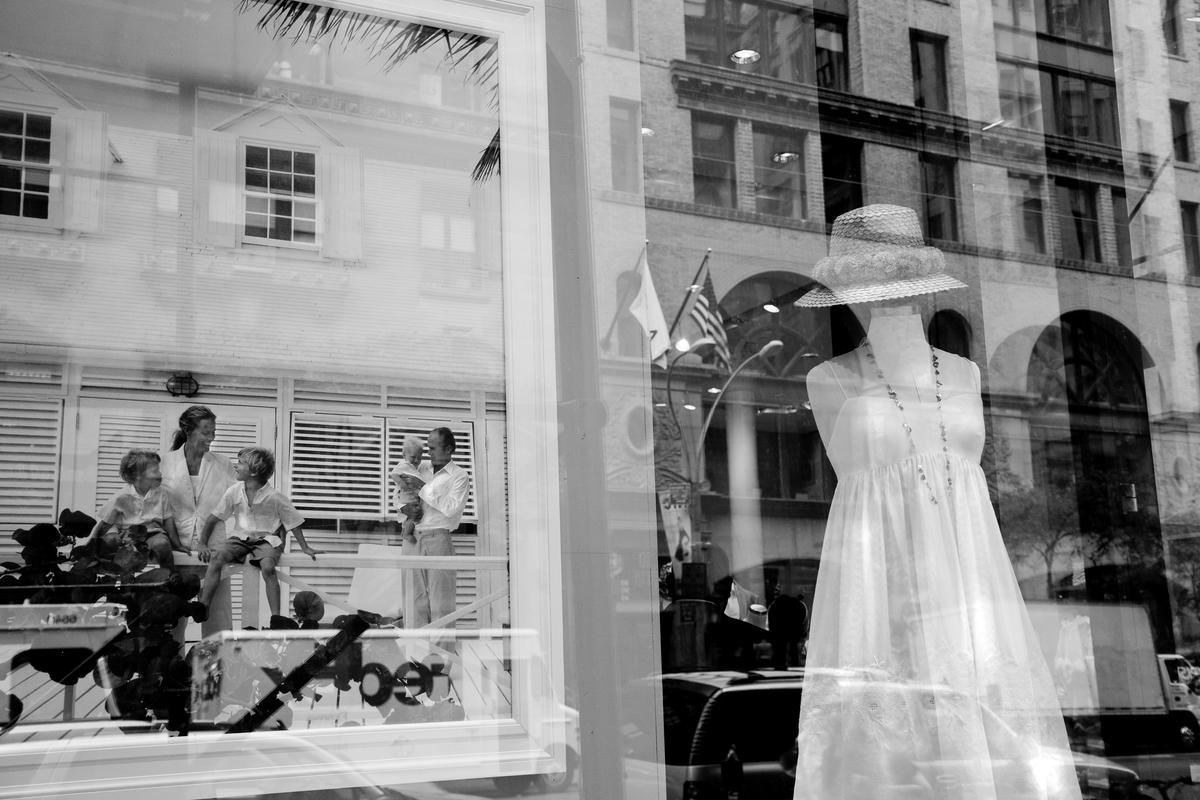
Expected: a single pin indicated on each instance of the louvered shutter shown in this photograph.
(216, 185)
(340, 194)
(338, 467)
(79, 156)
(118, 434)
(29, 464)
(464, 454)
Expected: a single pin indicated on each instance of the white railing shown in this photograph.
(251, 607)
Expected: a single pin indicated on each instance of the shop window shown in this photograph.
(929, 72)
(712, 162)
(619, 19)
(33, 149)
(1078, 220)
(1028, 213)
(1190, 221)
(939, 197)
(1020, 95)
(624, 120)
(1084, 21)
(779, 180)
(1170, 27)
(278, 194)
(1181, 131)
(1120, 205)
(24, 164)
(841, 165)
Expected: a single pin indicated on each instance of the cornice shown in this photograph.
(706, 87)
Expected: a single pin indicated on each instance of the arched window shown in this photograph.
(950, 331)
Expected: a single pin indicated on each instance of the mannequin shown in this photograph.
(919, 635)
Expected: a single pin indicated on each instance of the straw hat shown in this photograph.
(876, 253)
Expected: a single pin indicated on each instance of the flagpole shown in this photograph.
(626, 297)
(692, 289)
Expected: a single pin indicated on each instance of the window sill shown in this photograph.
(51, 245)
(1190, 166)
(734, 214)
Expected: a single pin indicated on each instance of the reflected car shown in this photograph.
(735, 731)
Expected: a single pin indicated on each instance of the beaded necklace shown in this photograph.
(912, 445)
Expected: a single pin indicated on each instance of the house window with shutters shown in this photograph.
(52, 168)
(24, 164)
(253, 193)
(280, 195)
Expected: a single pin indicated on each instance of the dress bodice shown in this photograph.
(867, 429)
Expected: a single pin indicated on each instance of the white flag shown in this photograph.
(648, 312)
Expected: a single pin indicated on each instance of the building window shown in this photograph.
(939, 197)
(833, 71)
(1084, 108)
(24, 164)
(929, 72)
(1190, 219)
(1017, 13)
(620, 24)
(625, 132)
(1078, 221)
(1029, 218)
(1120, 206)
(712, 162)
(841, 165)
(281, 194)
(779, 173)
(792, 43)
(1181, 131)
(1020, 95)
(1084, 21)
(1170, 27)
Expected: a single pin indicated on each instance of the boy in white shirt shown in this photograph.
(412, 465)
(253, 512)
(142, 502)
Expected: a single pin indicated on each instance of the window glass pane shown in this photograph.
(779, 174)
(1028, 214)
(940, 198)
(1078, 223)
(1181, 133)
(712, 164)
(1190, 213)
(702, 31)
(620, 23)
(831, 65)
(625, 140)
(929, 73)
(11, 122)
(10, 148)
(215, 213)
(1121, 228)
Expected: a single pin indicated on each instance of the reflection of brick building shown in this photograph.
(1048, 148)
(288, 231)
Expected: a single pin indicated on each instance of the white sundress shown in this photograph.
(924, 677)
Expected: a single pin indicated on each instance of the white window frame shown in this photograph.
(533, 739)
(319, 208)
(49, 167)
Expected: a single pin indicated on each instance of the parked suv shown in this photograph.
(735, 731)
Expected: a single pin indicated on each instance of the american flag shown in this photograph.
(707, 315)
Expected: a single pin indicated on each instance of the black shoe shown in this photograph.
(197, 611)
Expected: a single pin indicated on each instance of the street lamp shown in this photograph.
(774, 344)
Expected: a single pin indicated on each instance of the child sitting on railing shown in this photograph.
(253, 512)
(141, 503)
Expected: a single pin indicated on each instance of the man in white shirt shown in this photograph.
(438, 510)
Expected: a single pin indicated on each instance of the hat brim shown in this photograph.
(822, 297)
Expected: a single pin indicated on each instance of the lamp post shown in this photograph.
(693, 456)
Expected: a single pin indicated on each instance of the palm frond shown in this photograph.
(390, 41)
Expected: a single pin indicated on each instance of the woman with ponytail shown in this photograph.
(194, 479)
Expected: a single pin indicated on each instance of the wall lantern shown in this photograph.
(182, 384)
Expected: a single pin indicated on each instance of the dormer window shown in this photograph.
(24, 164)
(280, 195)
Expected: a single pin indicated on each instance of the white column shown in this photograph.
(745, 531)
